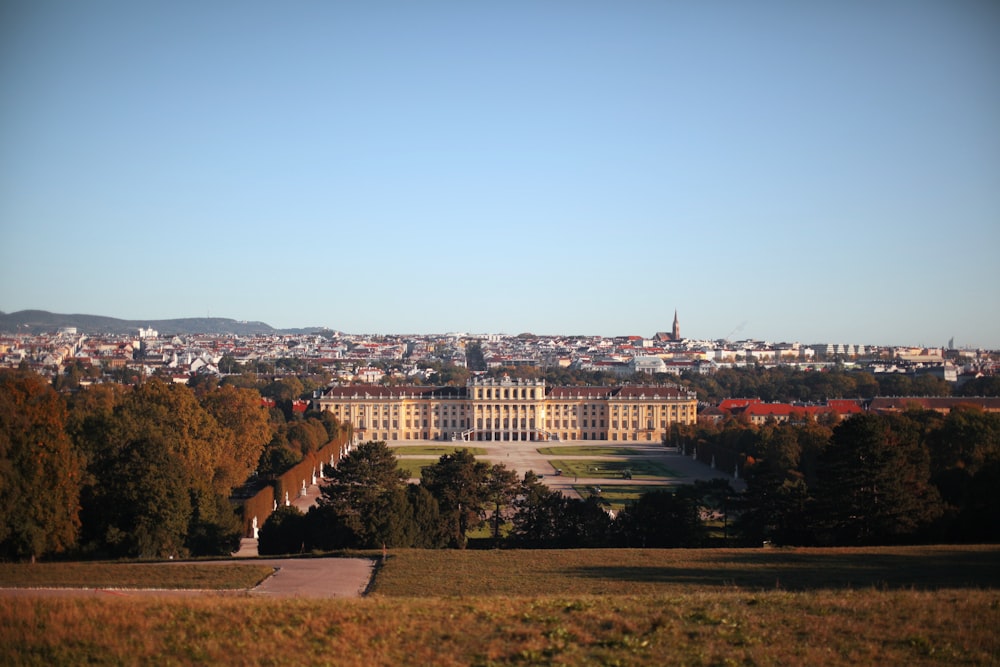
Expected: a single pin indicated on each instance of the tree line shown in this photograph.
(777, 384)
(916, 477)
(143, 471)
(912, 477)
(367, 503)
(149, 470)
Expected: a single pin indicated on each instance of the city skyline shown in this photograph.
(149, 328)
(776, 172)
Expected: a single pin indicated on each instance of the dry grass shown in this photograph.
(700, 628)
(198, 576)
(416, 573)
(901, 606)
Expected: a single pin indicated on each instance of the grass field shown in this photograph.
(596, 450)
(412, 467)
(610, 469)
(199, 576)
(435, 450)
(619, 495)
(419, 573)
(895, 606)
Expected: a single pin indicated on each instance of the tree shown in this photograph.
(429, 530)
(284, 532)
(141, 506)
(365, 498)
(537, 513)
(774, 501)
(40, 471)
(203, 449)
(544, 518)
(661, 519)
(277, 459)
(501, 486)
(458, 482)
(874, 483)
(240, 412)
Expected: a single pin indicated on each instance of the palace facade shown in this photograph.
(510, 410)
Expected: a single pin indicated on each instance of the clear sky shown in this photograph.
(787, 171)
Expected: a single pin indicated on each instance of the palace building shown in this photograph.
(510, 410)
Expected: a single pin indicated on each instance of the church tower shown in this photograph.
(675, 334)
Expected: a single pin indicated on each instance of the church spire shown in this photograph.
(676, 332)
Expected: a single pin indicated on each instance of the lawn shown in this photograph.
(434, 450)
(596, 450)
(619, 495)
(613, 469)
(417, 573)
(412, 467)
(174, 576)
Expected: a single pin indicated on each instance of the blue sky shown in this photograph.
(786, 171)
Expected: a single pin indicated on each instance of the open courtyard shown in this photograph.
(573, 467)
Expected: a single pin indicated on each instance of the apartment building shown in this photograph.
(506, 409)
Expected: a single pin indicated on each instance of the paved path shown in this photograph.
(317, 577)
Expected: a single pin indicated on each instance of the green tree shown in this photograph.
(500, 488)
(458, 482)
(544, 518)
(874, 483)
(277, 459)
(142, 504)
(661, 519)
(774, 503)
(538, 509)
(171, 416)
(40, 471)
(366, 493)
(284, 532)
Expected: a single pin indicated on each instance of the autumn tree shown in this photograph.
(240, 412)
(209, 463)
(40, 471)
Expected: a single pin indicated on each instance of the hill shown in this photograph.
(41, 321)
(886, 606)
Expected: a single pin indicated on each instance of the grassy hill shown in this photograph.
(896, 606)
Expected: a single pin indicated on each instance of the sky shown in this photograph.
(783, 171)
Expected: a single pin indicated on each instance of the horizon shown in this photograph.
(471, 333)
(777, 172)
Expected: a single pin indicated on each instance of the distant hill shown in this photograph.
(41, 321)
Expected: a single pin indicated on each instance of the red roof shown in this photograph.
(737, 403)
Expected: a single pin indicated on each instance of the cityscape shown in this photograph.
(512, 333)
(397, 358)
